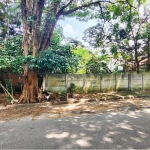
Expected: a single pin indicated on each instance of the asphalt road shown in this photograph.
(123, 130)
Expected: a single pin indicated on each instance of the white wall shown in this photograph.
(97, 83)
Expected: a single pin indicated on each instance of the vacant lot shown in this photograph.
(80, 104)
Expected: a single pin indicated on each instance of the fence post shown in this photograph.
(129, 82)
(115, 82)
(84, 86)
(100, 83)
(66, 80)
(142, 82)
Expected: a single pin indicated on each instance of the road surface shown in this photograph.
(113, 130)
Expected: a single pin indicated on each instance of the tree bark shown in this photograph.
(35, 40)
(29, 93)
(31, 45)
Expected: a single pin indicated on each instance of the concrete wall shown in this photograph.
(97, 83)
(91, 83)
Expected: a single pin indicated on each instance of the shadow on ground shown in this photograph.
(110, 130)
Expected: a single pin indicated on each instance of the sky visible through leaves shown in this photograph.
(74, 28)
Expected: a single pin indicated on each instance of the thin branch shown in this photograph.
(144, 20)
(84, 6)
(101, 9)
(130, 4)
(63, 8)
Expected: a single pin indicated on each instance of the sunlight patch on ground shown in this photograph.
(147, 110)
(143, 135)
(57, 136)
(107, 139)
(114, 113)
(84, 142)
(2, 121)
(70, 107)
(133, 114)
(113, 132)
(135, 139)
(73, 136)
(82, 134)
(2, 107)
(124, 126)
(92, 126)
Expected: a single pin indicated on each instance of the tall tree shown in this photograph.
(146, 36)
(131, 16)
(134, 17)
(39, 18)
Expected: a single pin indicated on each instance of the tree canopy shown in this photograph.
(122, 31)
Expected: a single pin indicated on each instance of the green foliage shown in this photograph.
(113, 49)
(84, 57)
(123, 32)
(63, 94)
(13, 46)
(11, 55)
(56, 61)
(3, 16)
(71, 89)
(60, 58)
(97, 65)
(95, 35)
(57, 37)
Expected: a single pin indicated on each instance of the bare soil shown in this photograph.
(80, 104)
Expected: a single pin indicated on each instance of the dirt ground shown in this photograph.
(80, 104)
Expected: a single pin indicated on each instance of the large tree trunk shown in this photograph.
(31, 43)
(29, 93)
(35, 40)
